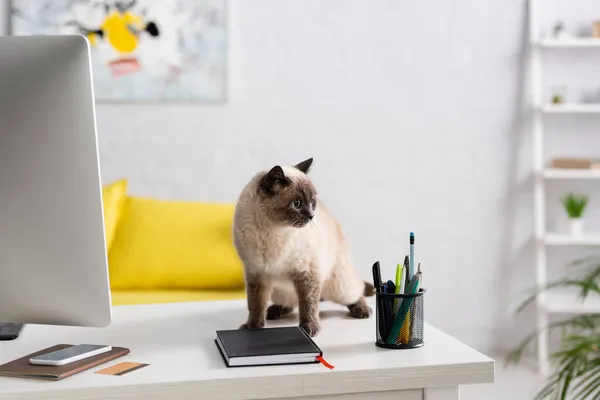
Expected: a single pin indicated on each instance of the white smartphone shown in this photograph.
(70, 354)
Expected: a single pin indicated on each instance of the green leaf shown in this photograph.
(575, 204)
(592, 378)
(587, 322)
(566, 382)
(587, 284)
(574, 368)
(592, 388)
(576, 364)
(546, 390)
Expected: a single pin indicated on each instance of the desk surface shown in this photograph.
(178, 341)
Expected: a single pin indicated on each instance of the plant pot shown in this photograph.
(576, 226)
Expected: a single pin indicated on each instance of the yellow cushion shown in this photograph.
(126, 297)
(113, 196)
(174, 245)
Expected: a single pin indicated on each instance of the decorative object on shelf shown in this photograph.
(559, 31)
(575, 206)
(576, 373)
(575, 163)
(142, 50)
(596, 29)
(559, 94)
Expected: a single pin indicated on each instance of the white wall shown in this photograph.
(412, 111)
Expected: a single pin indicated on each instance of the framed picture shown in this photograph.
(142, 50)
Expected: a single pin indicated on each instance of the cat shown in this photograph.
(293, 251)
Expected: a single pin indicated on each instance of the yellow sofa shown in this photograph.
(169, 251)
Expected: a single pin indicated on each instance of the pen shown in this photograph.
(391, 287)
(377, 276)
(406, 273)
(387, 304)
(381, 320)
(404, 281)
(399, 284)
(401, 316)
(398, 277)
(406, 330)
(412, 255)
(412, 315)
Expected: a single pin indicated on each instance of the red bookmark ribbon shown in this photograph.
(325, 363)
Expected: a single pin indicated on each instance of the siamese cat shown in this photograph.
(293, 250)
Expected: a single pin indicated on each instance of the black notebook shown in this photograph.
(268, 346)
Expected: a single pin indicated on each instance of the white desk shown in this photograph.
(178, 341)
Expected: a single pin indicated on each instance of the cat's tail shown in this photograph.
(369, 289)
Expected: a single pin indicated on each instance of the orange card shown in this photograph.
(122, 368)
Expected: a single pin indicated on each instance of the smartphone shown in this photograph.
(10, 331)
(70, 354)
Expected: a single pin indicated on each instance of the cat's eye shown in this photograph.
(297, 204)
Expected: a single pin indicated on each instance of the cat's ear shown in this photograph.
(304, 166)
(274, 181)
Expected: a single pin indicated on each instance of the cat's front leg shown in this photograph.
(258, 292)
(308, 289)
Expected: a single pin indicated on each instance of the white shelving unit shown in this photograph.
(567, 43)
(570, 302)
(571, 108)
(557, 173)
(568, 240)
(554, 302)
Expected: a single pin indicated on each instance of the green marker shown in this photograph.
(413, 288)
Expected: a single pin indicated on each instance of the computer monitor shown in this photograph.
(53, 264)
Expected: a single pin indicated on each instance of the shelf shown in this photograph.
(586, 42)
(573, 108)
(560, 173)
(569, 301)
(569, 240)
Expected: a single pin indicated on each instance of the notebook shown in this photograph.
(21, 368)
(268, 346)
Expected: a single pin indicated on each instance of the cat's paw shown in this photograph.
(312, 328)
(275, 311)
(361, 311)
(251, 324)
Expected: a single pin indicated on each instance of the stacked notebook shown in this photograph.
(269, 346)
(21, 368)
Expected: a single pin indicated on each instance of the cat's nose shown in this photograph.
(311, 216)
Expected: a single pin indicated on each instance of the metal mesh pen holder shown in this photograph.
(399, 323)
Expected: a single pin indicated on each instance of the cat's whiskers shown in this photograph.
(296, 222)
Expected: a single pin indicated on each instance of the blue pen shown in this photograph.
(412, 255)
(387, 310)
(391, 287)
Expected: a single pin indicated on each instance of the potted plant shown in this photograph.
(558, 94)
(575, 206)
(576, 365)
